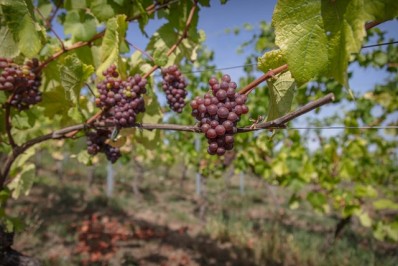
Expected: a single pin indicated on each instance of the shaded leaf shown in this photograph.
(80, 25)
(281, 92)
(23, 181)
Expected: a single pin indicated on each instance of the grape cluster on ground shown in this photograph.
(174, 86)
(22, 81)
(219, 113)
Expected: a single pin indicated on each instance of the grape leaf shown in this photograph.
(23, 173)
(160, 57)
(8, 47)
(114, 36)
(385, 204)
(29, 39)
(364, 218)
(23, 181)
(271, 60)
(153, 114)
(20, 19)
(103, 9)
(75, 4)
(317, 37)
(381, 10)
(45, 7)
(73, 76)
(281, 92)
(80, 25)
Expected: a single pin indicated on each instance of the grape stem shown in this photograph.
(150, 10)
(182, 37)
(140, 50)
(68, 131)
(252, 85)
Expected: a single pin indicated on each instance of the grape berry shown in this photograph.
(121, 101)
(23, 81)
(96, 142)
(122, 98)
(174, 86)
(219, 113)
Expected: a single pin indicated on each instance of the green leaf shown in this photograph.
(103, 9)
(385, 204)
(45, 7)
(29, 39)
(75, 4)
(8, 47)
(363, 191)
(23, 181)
(55, 103)
(301, 37)
(364, 218)
(73, 76)
(163, 38)
(271, 60)
(153, 114)
(318, 201)
(114, 36)
(281, 92)
(381, 10)
(84, 158)
(80, 25)
(317, 37)
(138, 10)
(13, 11)
(160, 57)
(20, 19)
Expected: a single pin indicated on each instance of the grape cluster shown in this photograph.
(24, 81)
(174, 86)
(96, 142)
(219, 113)
(122, 98)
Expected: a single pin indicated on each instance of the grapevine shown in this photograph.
(219, 114)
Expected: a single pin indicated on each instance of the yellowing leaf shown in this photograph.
(271, 60)
(385, 204)
(119, 142)
(281, 92)
(23, 181)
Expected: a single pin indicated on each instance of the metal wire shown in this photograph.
(380, 44)
(255, 64)
(217, 69)
(346, 127)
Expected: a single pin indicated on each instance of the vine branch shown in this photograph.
(150, 10)
(65, 132)
(182, 37)
(252, 85)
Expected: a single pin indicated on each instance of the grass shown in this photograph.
(253, 229)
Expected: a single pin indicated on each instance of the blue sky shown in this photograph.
(216, 19)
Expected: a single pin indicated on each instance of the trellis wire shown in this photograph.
(344, 127)
(255, 64)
